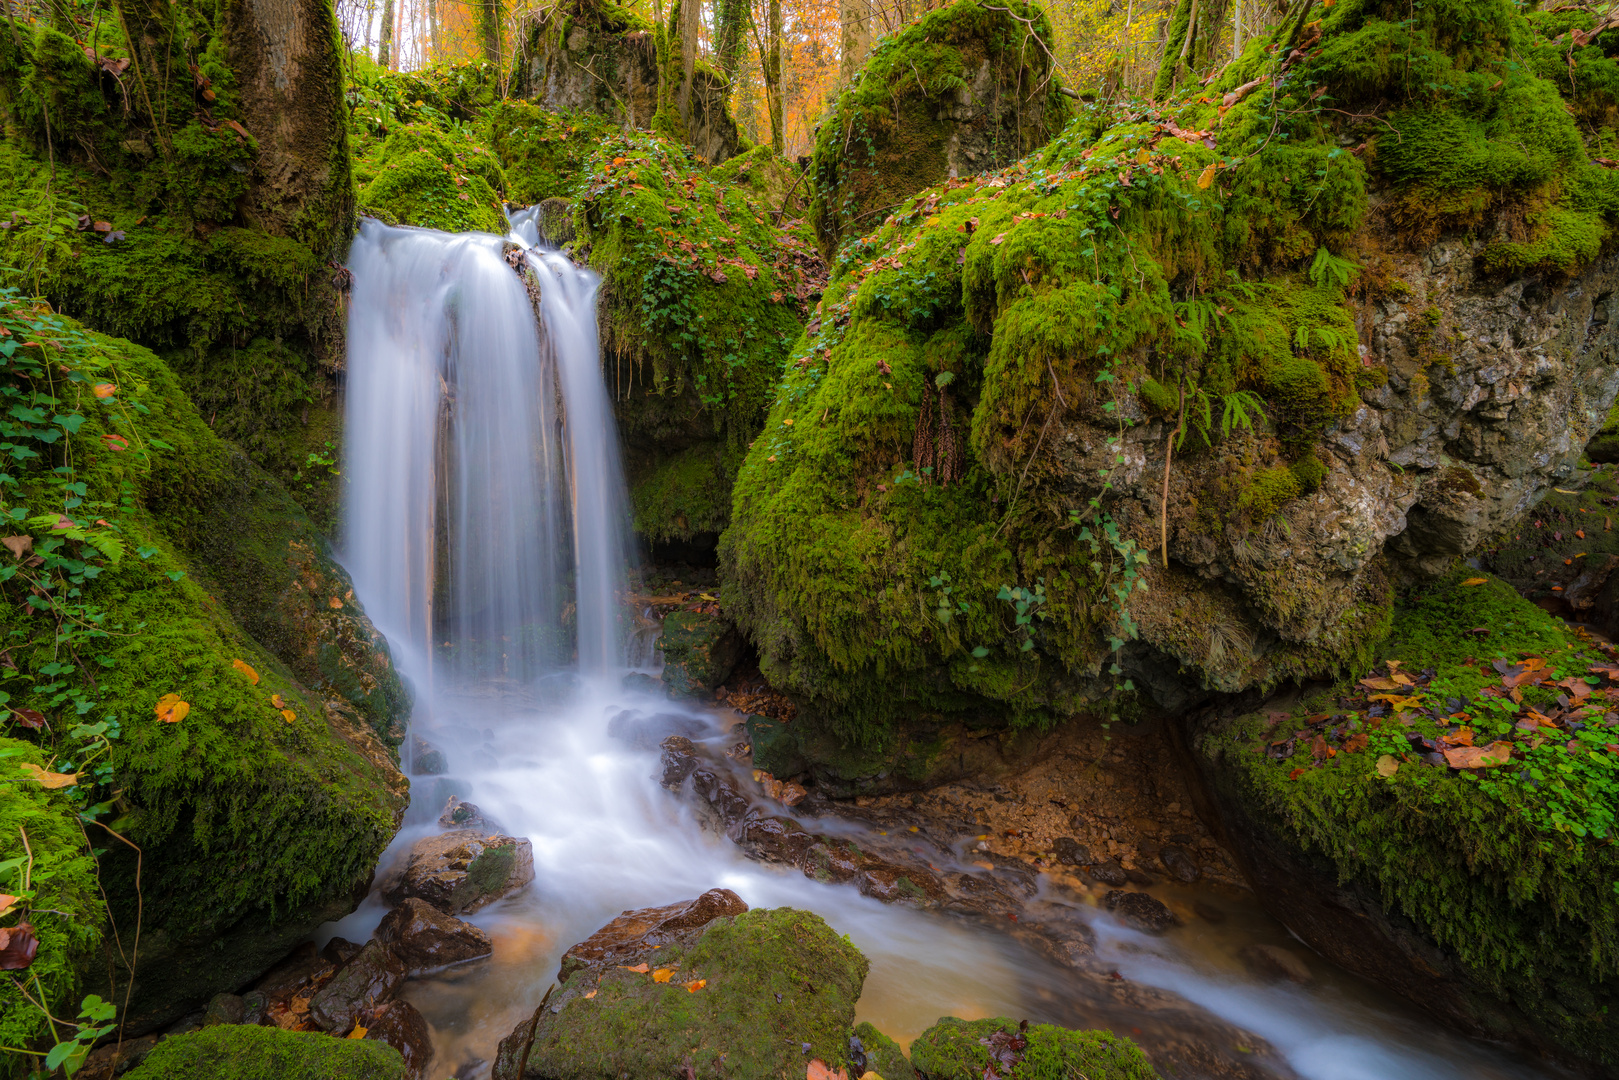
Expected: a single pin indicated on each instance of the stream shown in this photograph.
(488, 536)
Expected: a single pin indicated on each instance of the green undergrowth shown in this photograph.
(891, 132)
(138, 226)
(167, 723)
(243, 1052)
(1197, 265)
(956, 1049)
(1509, 867)
(1558, 554)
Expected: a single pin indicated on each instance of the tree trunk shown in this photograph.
(730, 23)
(854, 18)
(386, 40)
(771, 65)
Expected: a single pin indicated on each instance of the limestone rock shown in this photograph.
(401, 1026)
(424, 938)
(463, 870)
(370, 977)
(756, 988)
(882, 1054)
(462, 815)
(1140, 911)
(699, 651)
(634, 934)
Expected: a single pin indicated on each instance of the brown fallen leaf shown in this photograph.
(29, 718)
(246, 669)
(1387, 766)
(170, 709)
(18, 545)
(18, 946)
(820, 1070)
(1356, 743)
(48, 779)
(115, 443)
(1464, 737)
(639, 969)
(1479, 757)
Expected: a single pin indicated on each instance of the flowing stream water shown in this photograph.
(488, 538)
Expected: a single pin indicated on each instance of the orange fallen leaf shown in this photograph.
(115, 442)
(696, 985)
(639, 969)
(1476, 581)
(1464, 737)
(105, 389)
(48, 779)
(1356, 743)
(246, 669)
(820, 1070)
(170, 709)
(662, 975)
(1295, 774)
(289, 715)
(7, 902)
(1479, 757)
(590, 995)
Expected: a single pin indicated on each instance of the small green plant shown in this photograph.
(1329, 267)
(1027, 607)
(95, 1020)
(948, 607)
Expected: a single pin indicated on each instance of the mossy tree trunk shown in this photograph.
(1195, 29)
(770, 64)
(386, 39)
(490, 16)
(854, 18)
(730, 23)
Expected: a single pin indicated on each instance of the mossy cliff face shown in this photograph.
(947, 512)
(1485, 894)
(963, 90)
(593, 56)
(184, 188)
(261, 807)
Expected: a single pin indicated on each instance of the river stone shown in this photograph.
(678, 761)
(1272, 963)
(1179, 863)
(426, 759)
(1071, 852)
(303, 968)
(339, 951)
(634, 934)
(883, 1055)
(400, 1026)
(423, 938)
(235, 1052)
(1109, 873)
(372, 976)
(758, 994)
(224, 1009)
(115, 1059)
(462, 815)
(956, 1049)
(645, 732)
(1139, 910)
(463, 870)
(699, 651)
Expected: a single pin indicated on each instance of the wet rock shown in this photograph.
(635, 933)
(114, 1059)
(883, 1055)
(423, 938)
(645, 732)
(188, 1022)
(371, 977)
(339, 951)
(678, 761)
(426, 759)
(1139, 910)
(1180, 864)
(1208, 912)
(699, 651)
(1138, 877)
(233, 1051)
(956, 1049)
(399, 1025)
(769, 990)
(1109, 873)
(775, 746)
(1071, 852)
(1272, 963)
(462, 815)
(463, 870)
(224, 1009)
(299, 971)
(255, 1007)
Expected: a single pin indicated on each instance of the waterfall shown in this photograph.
(484, 496)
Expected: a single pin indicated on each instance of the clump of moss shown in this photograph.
(544, 153)
(244, 1052)
(425, 178)
(1508, 868)
(956, 1049)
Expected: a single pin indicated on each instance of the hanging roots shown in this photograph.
(937, 445)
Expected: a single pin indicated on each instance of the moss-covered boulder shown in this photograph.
(883, 1055)
(1563, 554)
(1057, 435)
(1443, 823)
(258, 810)
(699, 651)
(542, 151)
(965, 89)
(956, 1049)
(238, 1052)
(741, 997)
(426, 177)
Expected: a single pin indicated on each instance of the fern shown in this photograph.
(1243, 409)
(1329, 267)
(1328, 337)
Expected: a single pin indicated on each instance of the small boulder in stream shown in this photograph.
(371, 976)
(463, 870)
(423, 938)
(636, 933)
(462, 815)
(1071, 852)
(401, 1026)
(763, 993)
(235, 1051)
(1180, 863)
(882, 1055)
(699, 651)
(956, 1049)
(1140, 911)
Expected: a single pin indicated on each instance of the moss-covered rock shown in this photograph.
(239, 1052)
(883, 1055)
(542, 151)
(1483, 893)
(424, 177)
(963, 90)
(956, 1049)
(699, 651)
(740, 997)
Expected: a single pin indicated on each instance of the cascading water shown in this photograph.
(485, 502)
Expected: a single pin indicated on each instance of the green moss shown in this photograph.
(1510, 872)
(1159, 399)
(685, 495)
(543, 152)
(1543, 553)
(774, 980)
(1309, 471)
(425, 178)
(239, 1052)
(1604, 445)
(883, 1055)
(955, 1049)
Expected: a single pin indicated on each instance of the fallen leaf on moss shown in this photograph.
(358, 1032)
(105, 389)
(590, 995)
(1295, 774)
(1476, 581)
(170, 709)
(29, 718)
(662, 975)
(639, 969)
(1356, 743)
(696, 985)
(246, 669)
(48, 779)
(1479, 757)
(1207, 178)
(288, 715)
(7, 902)
(1387, 766)
(820, 1070)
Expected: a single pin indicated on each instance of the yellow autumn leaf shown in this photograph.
(105, 389)
(1387, 766)
(696, 985)
(246, 669)
(170, 709)
(289, 715)
(48, 779)
(358, 1032)
(1143, 156)
(662, 975)
(1476, 581)
(590, 995)
(275, 699)
(7, 902)
(1208, 175)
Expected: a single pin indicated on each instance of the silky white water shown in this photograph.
(488, 538)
